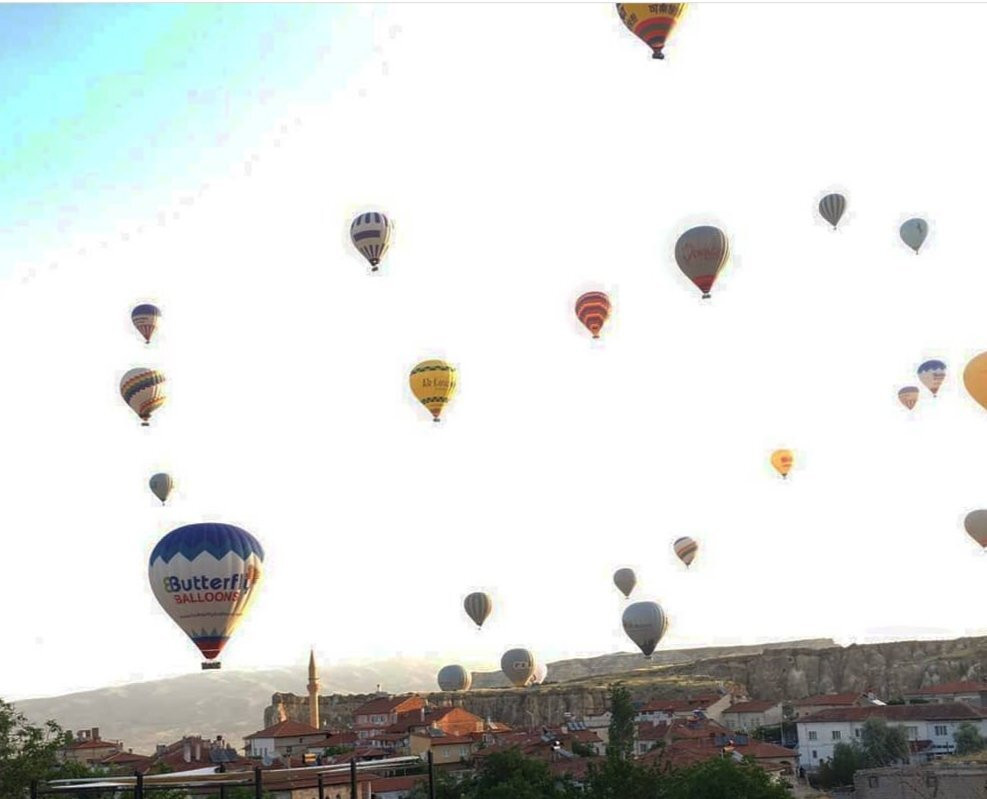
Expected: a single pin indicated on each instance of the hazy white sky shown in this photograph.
(527, 153)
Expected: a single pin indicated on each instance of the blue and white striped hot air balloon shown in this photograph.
(371, 235)
(206, 576)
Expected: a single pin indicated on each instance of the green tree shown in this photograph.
(29, 752)
(968, 739)
(446, 787)
(622, 726)
(721, 778)
(620, 779)
(883, 745)
(511, 775)
(839, 770)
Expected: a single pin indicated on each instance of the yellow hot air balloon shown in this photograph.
(782, 460)
(433, 383)
(652, 23)
(975, 378)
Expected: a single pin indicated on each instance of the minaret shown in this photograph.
(313, 691)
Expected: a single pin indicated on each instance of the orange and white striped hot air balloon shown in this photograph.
(686, 549)
(652, 23)
(593, 309)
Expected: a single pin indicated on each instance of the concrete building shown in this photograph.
(929, 729)
(447, 750)
(285, 738)
(747, 716)
(377, 715)
(88, 748)
(658, 711)
(973, 693)
(936, 781)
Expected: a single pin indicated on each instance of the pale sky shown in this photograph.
(527, 153)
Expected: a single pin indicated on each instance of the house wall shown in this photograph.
(922, 783)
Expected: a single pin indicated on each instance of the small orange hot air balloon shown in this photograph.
(593, 309)
(782, 460)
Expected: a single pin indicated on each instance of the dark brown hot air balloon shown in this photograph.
(593, 309)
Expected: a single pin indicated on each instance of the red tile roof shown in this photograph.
(93, 745)
(959, 687)
(121, 758)
(652, 732)
(947, 711)
(287, 729)
(750, 707)
(681, 705)
(448, 740)
(388, 704)
(828, 699)
(759, 749)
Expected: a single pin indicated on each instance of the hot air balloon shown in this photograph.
(975, 378)
(913, 233)
(652, 23)
(593, 309)
(976, 526)
(143, 390)
(454, 678)
(145, 319)
(518, 666)
(161, 486)
(478, 606)
(908, 396)
(645, 623)
(433, 383)
(701, 253)
(371, 235)
(686, 549)
(625, 580)
(932, 373)
(831, 208)
(782, 460)
(206, 576)
(541, 672)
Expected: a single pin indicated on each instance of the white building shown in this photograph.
(973, 693)
(929, 729)
(284, 738)
(659, 711)
(745, 716)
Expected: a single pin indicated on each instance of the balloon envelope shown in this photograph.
(371, 235)
(652, 23)
(454, 678)
(518, 666)
(541, 672)
(625, 580)
(145, 319)
(161, 486)
(913, 233)
(831, 208)
(205, 576)
(976, 526)
(975, 378)
(645, 624)
(433, 383)
(701, 253)
(782, 460)
(593, 309)
(931, 374)
(908, 396)
(478, 606)
(686, 549)
(143, 390)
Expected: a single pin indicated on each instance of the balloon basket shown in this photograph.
(211, 665)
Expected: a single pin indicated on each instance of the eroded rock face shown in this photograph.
(770, 673)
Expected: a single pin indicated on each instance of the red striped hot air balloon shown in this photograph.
(652, 23)
(593, 309)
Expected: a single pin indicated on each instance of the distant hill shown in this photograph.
(232, 703)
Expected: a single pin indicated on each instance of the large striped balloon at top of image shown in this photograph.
(701, 253)
(831, 208)
(932, 374)
(143, 390)
(686, 549)
(478, 606)
(652, 23)
(205, 576)
(145, 319)
(593, 309)
(371, 235)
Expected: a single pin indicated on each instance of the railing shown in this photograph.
(140, 786)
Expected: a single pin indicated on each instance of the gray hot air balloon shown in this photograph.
(161, 486)
(700, 253)
(976, 526)
(625, 580)
(913, 233)
(454, 678)
(645, 624)
(518, 666)
(831, 208)
(478, 606)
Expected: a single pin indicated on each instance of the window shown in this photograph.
(836, 735)
(812, 735)
(872, 782)
(814, 755)
(857, 732)
(912, 732)
(941, 730)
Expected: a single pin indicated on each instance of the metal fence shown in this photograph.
(258, 783)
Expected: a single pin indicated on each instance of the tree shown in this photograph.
(622, 728)
(511, 775)
(883, 745)
(839, 770)
(721, 778)
(968, 739)
(29, 752)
